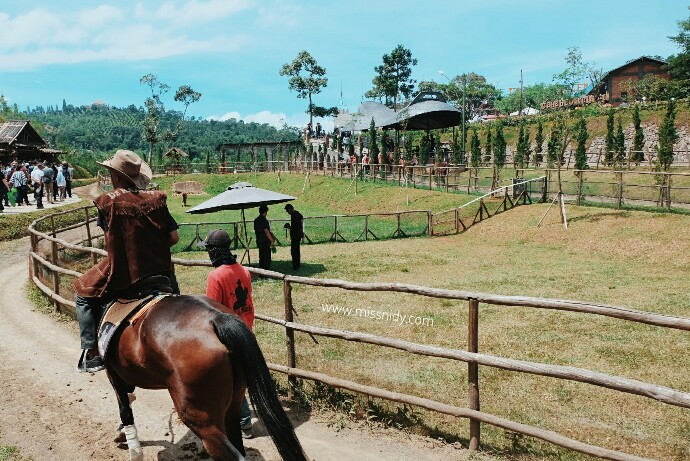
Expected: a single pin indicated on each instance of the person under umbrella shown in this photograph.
(265, 240)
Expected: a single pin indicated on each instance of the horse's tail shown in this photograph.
(237, 337)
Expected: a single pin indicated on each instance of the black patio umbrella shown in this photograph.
(424, 115)
(240, 196)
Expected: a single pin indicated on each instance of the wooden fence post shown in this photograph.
(668, 191)
(290, 338)
(473, 371)
(54, 257)
(598, 158)
(580, 177)
(619, 195)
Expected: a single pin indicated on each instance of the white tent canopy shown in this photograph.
(526, 111)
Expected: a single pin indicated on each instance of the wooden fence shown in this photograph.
(381, 226)
(47, 267)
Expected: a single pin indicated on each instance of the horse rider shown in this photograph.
(138, 233)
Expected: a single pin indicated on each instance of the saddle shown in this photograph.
(130, 306)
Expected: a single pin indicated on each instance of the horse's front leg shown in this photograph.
(122, 390)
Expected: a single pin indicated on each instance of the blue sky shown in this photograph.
(231, 50)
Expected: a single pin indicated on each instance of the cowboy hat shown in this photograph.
(131, 167)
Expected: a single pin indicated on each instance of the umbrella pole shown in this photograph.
(246, 241)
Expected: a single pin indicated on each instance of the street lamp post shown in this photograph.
(464, 91)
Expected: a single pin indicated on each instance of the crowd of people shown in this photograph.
(48, 179)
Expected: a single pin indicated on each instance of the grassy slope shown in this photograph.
(632, 259)
(324, 196)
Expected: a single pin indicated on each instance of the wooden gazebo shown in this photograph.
(19, 140)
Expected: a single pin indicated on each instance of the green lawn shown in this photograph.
(632, 259)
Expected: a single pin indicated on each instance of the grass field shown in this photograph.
(632, 259)
(322, 196)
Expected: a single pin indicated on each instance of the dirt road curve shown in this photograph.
(50, 412)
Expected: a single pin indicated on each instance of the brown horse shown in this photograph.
(205, 356)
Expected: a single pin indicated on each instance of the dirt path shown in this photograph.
(50, 412)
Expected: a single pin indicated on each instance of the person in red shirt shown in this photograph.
(230, 284)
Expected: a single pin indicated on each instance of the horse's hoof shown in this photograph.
(121, 438)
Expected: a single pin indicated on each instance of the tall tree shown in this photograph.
(532, 96)
(475, 149)
(609, 145)
(576, 72)
(154, 108)
(488, 147)
(553, 147)
(668, 136)
(679, 64)
(581, 137)
(638, 141)
(307, 78)
(522, 149)
(373, 144)
(384, 147)
(499, 149)
(476, 89)
(393, 77)
(538, 148)
(619, 145)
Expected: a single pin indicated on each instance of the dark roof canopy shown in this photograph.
(175, 152)
(427, 111)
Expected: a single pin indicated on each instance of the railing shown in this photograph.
(461, 218)
(46, 266)
(619, 187)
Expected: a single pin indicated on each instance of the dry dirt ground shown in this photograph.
(50, 412)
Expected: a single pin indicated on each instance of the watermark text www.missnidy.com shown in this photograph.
(389, 316)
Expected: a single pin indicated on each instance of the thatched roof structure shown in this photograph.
(175, 152)
(18, 139)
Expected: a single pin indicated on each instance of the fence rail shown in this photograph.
(46, 267)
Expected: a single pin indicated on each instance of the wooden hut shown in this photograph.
(19, 140)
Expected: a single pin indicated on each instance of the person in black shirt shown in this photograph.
(4, 189)
(264, 238)
(296, 234)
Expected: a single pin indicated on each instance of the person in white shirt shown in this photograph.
(37, 182)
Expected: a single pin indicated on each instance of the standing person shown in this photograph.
(230, 284)
(138, 233)
(61, 183)
(55, 188)
(265, 240)
(48, 182)
(365, 163)
(20, 182)
(4, 190)
(37, 182)
(67, 172)
(296, 227)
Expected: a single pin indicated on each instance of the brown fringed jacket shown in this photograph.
(136, 239)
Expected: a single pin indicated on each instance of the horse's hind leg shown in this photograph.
(122, 390)
(206, 418)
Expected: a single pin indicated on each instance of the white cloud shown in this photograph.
(281, 13)
(274, 119)
(42, 37)
(200, 11)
